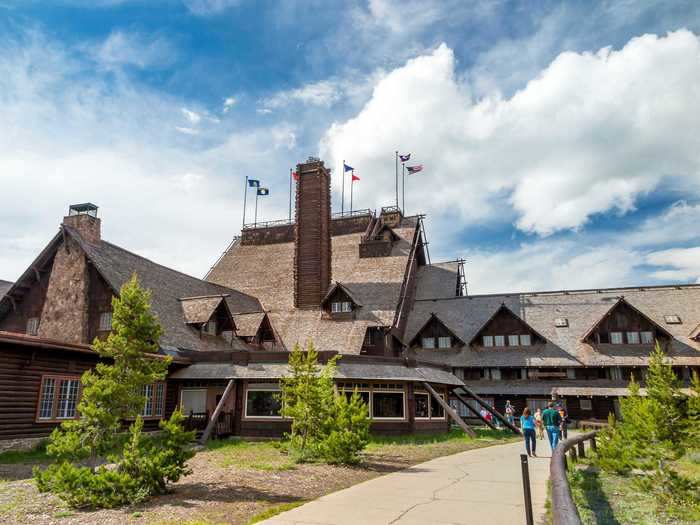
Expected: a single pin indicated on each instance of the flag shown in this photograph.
(263, 191)
(414, 169)
(253, 183)
(295, 175)
(405, 158)
(355, 177)
(348, 168)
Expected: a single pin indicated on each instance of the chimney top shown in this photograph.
(86, 208)
(83, 218)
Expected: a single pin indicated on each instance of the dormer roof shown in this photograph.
(335, 287)
(200, 310)
(435, 319)
(504, 310)
(621, 301)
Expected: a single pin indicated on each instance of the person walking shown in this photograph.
(539, 426)
(551, 420)
(527, 424)
(510, 413)
(564, 433)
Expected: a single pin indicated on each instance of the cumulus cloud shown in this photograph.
(680, 264)
(589, 135)
(209, 7)
(229, 102)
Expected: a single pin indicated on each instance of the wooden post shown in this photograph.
(449, 410)
(581, 449)
(526, 489)
(594, 446)
(572, 455)
(473, 410)
(210, 426)
(488, 407)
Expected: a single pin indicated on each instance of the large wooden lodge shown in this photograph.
(359, 284)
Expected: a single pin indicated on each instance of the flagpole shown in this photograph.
(256, 206)
(290, 194)
(352, 185)
(396, 169)
(245, 194)
(342, 192)
(403, 187)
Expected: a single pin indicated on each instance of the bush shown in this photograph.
(325, 425)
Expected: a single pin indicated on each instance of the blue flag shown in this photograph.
(253, 183)
(263, 191)
(348, 168)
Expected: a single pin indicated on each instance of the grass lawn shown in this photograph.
(604, 498)
(236, 481)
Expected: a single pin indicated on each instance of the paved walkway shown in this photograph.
(481, 487)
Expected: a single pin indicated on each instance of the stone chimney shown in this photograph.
(312, 235)
(83, 218)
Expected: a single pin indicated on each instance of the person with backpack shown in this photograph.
(510, 413)
(527, 424)
(552, 421)
(564, 433)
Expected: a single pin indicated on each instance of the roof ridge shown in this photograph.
(651, 288)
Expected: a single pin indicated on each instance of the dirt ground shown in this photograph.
(229, 484)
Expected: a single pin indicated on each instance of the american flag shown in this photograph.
(414, 169)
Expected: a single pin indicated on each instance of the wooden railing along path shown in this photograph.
(564, 511)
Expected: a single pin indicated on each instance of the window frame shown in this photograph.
(261, 387)
(345, 307)
(651, 337)
(390, 391)
(488, 338)
(32, 321)
(589, 402)
(634, 334)
(424, 339)
(206, 328)
(503, 341)
(153, 399)
(522, 340)
(514, 337)
(345, 389)
(58, 380)
(101, 325)
(192, 389)
(442, 338)
(620, 342)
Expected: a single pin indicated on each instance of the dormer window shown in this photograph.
(616, 338)
(435, 334)
(33, 326)
(487, 340)
(445, 342)
(209, 314)
(623, 324)
(339, 303)
(672, 319)
(341, 307)
(428, 342)
(506, 330)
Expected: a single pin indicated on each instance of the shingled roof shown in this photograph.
(116, 266)
(266, 271)
(564, 346)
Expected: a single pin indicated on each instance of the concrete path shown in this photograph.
(481, 487)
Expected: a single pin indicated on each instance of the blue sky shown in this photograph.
(560, 139)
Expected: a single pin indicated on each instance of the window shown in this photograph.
(445, 342)
(58, 398)
(561, 322)
(633, 338)
(436, 410)
(364, 395)
(586, 404)
(105, 322)
(647, 338)
(496, 374)
(525, 340)
(387, 404)
(672, 319)
(154, 394)
(33, 326)
(369, 337)
(347, 306)
(193, 401)
(488, 340)
(210, 327)
(499, 340)
(335, 308)
(513, 340)
(616, 338)
(422, 405)
(263, 401)
(341, 307)
(428, 342)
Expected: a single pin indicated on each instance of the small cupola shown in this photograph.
(83, 218)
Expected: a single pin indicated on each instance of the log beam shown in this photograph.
(219, 407)
(488, 407)
(449, 410)
(473, 410)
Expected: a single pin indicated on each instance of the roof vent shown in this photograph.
(561, 322)
(672, 319)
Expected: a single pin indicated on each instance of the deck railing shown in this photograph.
(564, 511)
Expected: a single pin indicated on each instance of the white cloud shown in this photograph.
(187, 131)
(69, 135)
(209, 7)
(590, 134)
(123, 48)
(192, 116)
(681, 264)
(229, 103)
(323, 93)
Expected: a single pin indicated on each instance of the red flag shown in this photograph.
(295, 175)
(355, 177)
